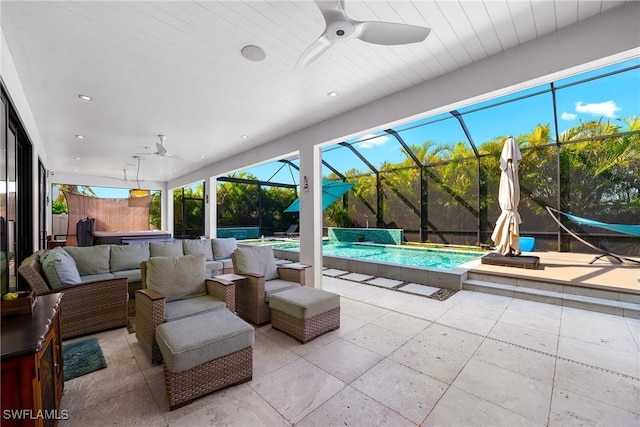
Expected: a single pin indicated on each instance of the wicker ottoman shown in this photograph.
(204, 353)
(305, 313)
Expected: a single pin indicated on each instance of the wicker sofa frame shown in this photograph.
(251, 293)
(150, 306)
(87, 307)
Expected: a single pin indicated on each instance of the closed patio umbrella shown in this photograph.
(506, 234)
(331, 191)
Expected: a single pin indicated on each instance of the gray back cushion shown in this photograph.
(90, 259)
(59, 268)
(128, 257)
(256, 259)
(223, 247)
(197, 247)
(177, 277)
(166, 248)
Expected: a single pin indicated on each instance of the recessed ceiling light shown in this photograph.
(77, 158)
(202, 156)
(244, 136)
(74, 170)
(333, 94)
(253, 53)
(174, 170)
(85, 97)
(80, 136)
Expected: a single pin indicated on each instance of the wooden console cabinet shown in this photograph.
(32, 373)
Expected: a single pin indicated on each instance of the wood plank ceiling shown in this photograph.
(175, 68)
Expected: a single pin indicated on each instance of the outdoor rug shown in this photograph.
(81, 358)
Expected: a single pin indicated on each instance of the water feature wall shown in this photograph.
(382, 236)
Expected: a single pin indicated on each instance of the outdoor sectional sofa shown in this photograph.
(97, 279)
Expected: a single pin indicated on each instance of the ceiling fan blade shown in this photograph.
(314, 51)
(160, 150)
(332, 10)
(389, 33)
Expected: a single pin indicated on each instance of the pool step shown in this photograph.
(610, 302)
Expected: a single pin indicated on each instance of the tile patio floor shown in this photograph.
(398, 360)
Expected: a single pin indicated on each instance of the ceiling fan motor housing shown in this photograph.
(340, 30)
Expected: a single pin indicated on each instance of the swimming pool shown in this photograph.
(442, 259)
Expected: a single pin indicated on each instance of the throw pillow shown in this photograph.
(166, 248)
(223, 247)
(59, 268)
(197, 247)
(256, 259)
(128, 257)
(90, 259)
(177, 277)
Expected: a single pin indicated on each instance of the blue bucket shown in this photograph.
(527, 244)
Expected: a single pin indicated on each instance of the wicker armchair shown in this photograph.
(87, 307)
(153, 308)
(252, 293)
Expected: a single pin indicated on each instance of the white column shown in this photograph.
(167, 211)
(211, 209)
(311, 213)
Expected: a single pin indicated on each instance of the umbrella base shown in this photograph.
(518, 261)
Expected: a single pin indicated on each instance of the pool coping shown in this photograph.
(438, 278)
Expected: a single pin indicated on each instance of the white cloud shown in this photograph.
(606, 109)
(568, 116)
(373, 142)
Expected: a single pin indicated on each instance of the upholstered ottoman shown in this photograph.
(305, 313)
(204, 353)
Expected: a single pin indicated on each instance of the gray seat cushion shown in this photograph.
(128, 257)
(227, 263)
(177, 277)
(256, 259)
(304, 302)
(214, 265)
(90, 260)
(99, 276)
(166, 248)
(59, 268)
(223, 247)
(197, 247)
(176, 310)
(190, 342)
(131, 275)
(277, 285)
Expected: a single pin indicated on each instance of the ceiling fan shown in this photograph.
(161, 150)
(124, 178)
(339, 28)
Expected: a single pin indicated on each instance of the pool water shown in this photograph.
(419, 257)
